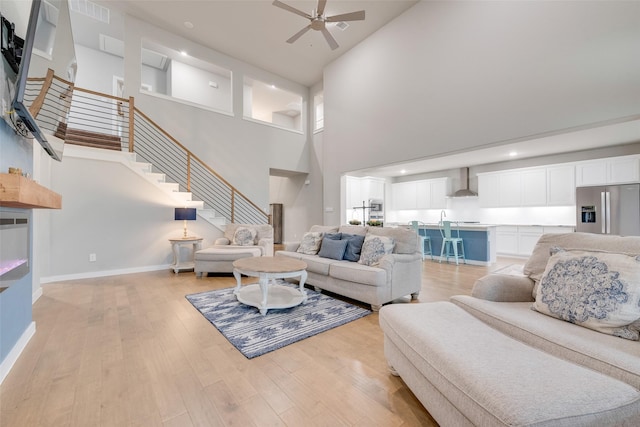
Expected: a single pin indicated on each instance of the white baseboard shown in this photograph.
(16, 351)
(105, 273)
(37, 294)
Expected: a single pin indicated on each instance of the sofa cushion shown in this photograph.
(374, 248)
(263, 231)
(244, 236)
(406, 239)
(354, 229)
(227, 253)
(323, 229)
(358, 273)
(333, 249)
(354, 246)
(310, 243)
(600, 352)
(596, 290)
(494, 379)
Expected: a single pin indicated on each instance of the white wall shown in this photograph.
(471, 74)
(192, 84)
(110, 211)
(241, 151)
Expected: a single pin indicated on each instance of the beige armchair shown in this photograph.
(239, 241)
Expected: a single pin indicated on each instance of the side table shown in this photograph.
(179, 265)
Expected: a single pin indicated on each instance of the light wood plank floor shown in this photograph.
(131, 351)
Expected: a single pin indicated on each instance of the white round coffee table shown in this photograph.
(267, 294)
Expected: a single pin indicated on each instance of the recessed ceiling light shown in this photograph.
(183, 52)
(189, 24)
(513, 153)
(403, 171)
(273, 86)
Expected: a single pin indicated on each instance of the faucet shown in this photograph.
(443, 214)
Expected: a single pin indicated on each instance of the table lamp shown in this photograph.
(185, 214)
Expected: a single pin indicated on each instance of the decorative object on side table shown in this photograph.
(374, 223)
(185, 214)
(355, 222)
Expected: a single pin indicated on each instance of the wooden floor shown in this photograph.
(131, 351)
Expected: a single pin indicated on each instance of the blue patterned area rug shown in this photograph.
(255, 335)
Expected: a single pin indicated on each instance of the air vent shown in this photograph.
(342, 25)
(90, 9)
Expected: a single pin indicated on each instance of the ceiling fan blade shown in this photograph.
(321, 5)
(333, 44)
(352, 16)
(299, 34)
(281, 5)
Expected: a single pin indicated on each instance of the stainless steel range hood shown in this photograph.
(464, 184)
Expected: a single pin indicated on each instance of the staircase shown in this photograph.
(87, 138)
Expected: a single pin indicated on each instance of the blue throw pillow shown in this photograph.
(333, 249)
(354, 246)
(333, 236)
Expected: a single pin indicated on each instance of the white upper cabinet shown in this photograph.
(534, 187)
(423, 194)
(561, 185)
(489, 195)
(614, 170)
(510, 189)
(362, 189)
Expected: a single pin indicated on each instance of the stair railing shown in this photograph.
(103, 114)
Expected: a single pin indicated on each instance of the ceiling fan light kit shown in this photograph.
(317, 21)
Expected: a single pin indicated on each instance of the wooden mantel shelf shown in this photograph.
(17, 191)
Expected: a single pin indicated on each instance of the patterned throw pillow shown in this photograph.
(244, 236)
(374, 248)
(310, 244)
(597, 290)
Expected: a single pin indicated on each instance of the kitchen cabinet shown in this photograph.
(561, 185)
(519, 240)
(614, 170)
(423, 194)
(363, 189)
(543, 186)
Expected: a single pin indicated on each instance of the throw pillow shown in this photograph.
(333, 249)
(244, 236)
(310, 244)
(597, 290)
(354, 246)
(374, 248)
(222, 241)
(332, 236)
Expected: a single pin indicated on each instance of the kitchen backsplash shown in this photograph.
(468, 209)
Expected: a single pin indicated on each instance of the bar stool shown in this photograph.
(424, 240)
(448, 242)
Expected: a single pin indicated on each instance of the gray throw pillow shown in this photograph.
(354, 246)
(333, 249)
(333, 236)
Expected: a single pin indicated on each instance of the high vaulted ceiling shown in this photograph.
(255, 31)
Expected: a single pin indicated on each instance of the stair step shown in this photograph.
(144, 167)
(182, 195)
(170, 186)
(91, 139)
(159, 177)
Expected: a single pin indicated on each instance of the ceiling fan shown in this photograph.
(318, 21)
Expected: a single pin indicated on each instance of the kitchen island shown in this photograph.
(479, 241)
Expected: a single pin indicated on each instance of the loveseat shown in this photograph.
(375, 277)
(554, 347)
(239, 241)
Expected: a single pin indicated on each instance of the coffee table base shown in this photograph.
(277, 296)
(267, 294)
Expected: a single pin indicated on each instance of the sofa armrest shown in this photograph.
(291, 246)
(267, 246)
(503, 288)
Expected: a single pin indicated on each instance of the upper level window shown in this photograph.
(178, 75)
(267, 103)
(318, 108)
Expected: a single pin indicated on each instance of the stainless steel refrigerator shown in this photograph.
(611, 209)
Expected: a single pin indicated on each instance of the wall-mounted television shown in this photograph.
(37, 38)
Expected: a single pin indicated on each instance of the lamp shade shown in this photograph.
(187, 214)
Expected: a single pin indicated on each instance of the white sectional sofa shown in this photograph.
(490, 359)
(395, 275)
